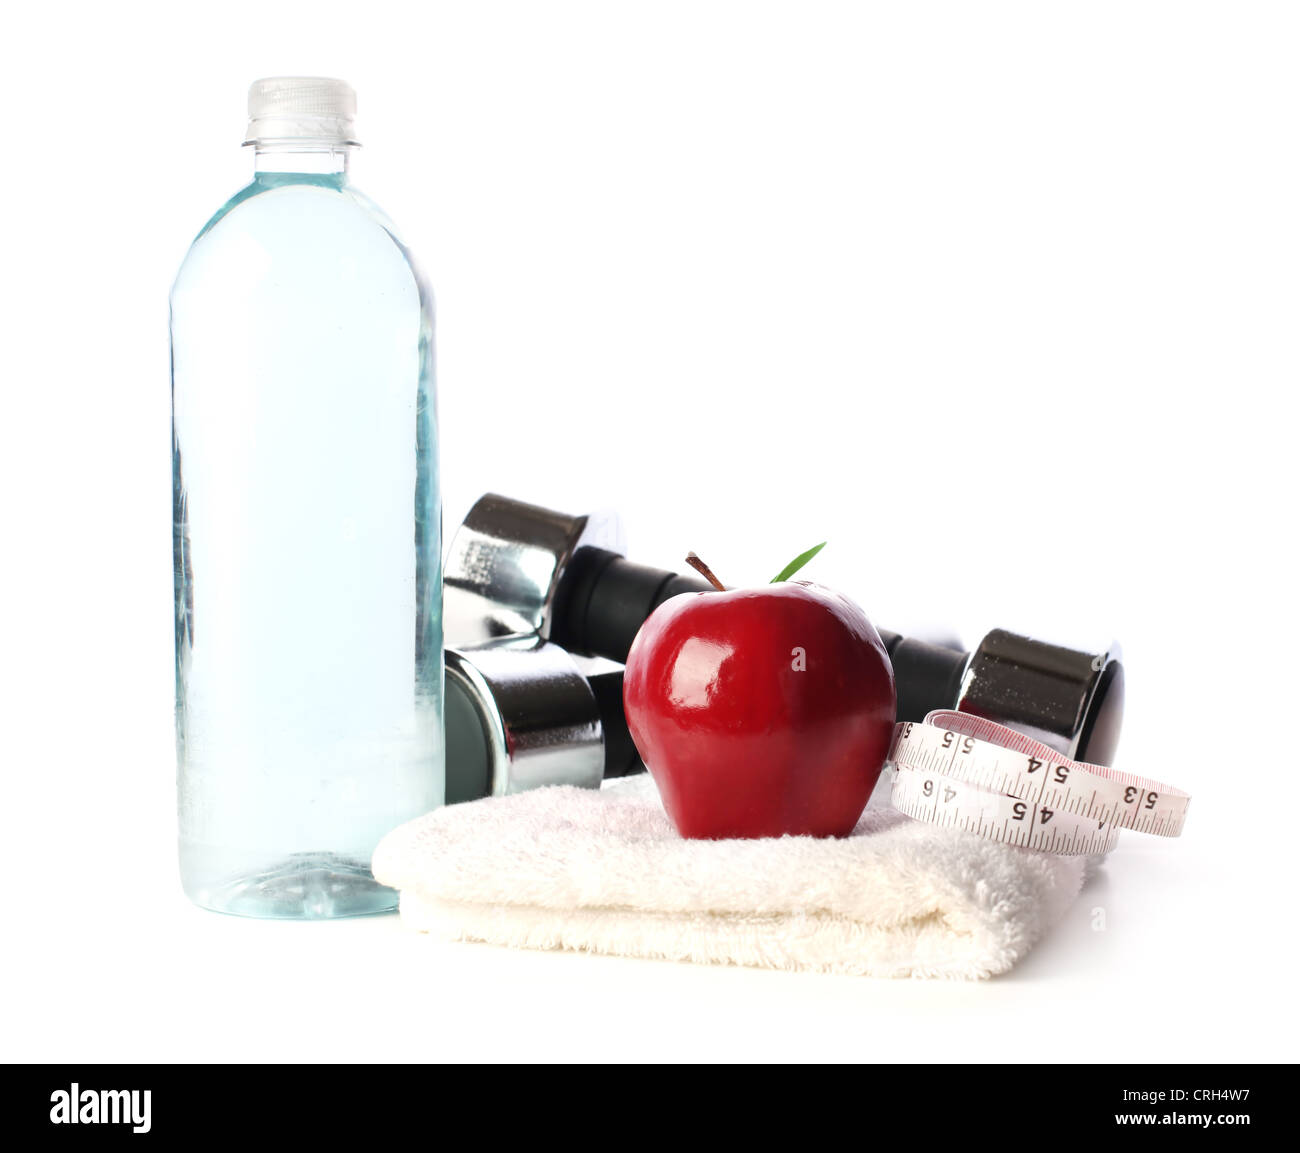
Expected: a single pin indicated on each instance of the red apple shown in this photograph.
(761, 711)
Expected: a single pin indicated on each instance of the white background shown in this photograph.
(1007, 288)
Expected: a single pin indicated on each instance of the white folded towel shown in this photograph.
(604, 870)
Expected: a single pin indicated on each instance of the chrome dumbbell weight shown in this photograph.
(520, 714)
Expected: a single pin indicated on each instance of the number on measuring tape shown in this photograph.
(970, 773)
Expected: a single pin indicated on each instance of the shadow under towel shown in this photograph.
(604, 871)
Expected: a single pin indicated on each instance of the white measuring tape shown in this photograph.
(969, 773)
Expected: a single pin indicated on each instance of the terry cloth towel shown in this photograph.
(603, 870)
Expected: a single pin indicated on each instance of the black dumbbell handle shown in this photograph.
(621, 759)
(605, 599)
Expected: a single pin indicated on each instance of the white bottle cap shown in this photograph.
(283, 109)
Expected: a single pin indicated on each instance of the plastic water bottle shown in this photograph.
(306, 528)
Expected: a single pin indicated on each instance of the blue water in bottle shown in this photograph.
(306, 529)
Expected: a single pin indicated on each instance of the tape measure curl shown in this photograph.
(966, 772)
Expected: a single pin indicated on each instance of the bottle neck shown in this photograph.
(311, 157)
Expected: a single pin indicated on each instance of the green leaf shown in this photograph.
(795, 565)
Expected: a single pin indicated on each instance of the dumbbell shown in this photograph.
(521, 714)
(516, 571)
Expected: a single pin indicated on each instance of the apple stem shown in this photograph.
(707, 573)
